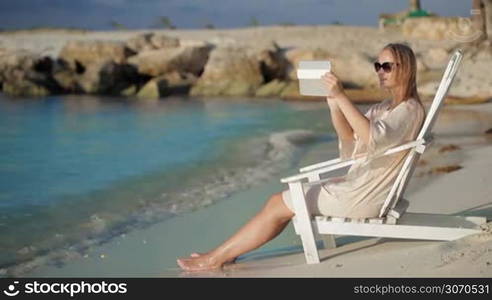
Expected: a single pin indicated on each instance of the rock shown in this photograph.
(421, 66)
(179, 83)
(173, 83)
(186, 59)
(23, 73)
(151, 41)
(362, 96)
(24, 88)
(108, 77)
(84, 53)
(68, 81)
(30, 84)
(140, 43)
(223, 41)
(291, 90)
(154, 89)
(435, 58)
(355, 70)
(272, 88)
(294, 56)
(195, 43)
(472, 82)
(229, 71)
(129, 91)
(273, 63)
(66, 77)
(17, 60)
(163, 41)
(439, 28)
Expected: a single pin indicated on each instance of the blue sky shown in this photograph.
(98, 14)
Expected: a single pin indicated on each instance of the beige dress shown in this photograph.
(362, 191)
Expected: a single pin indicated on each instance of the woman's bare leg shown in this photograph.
(263, 227)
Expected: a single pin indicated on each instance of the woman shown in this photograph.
(362, 191)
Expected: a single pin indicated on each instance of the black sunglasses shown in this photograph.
(387, 66)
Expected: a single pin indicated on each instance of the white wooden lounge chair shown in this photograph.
(393, 220)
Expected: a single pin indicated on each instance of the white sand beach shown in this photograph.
(465, 190)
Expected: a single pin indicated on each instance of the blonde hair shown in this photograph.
(406, 71)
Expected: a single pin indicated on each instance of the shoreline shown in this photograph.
(429, 191)
(267, 152)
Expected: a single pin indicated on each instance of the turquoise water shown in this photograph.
(77, 170)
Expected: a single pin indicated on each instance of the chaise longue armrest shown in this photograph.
(321, 165)
(337, 160)
(329, 166)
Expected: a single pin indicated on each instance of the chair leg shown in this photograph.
(304, 224)
(329, 241)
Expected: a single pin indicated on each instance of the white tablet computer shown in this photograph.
(309, 73)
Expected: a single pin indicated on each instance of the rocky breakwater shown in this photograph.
(26, 74)
(270, 71)
(472, 83)
(147, 66)
(155, 65)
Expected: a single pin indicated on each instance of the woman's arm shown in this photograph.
(342, 127)
(355, 119)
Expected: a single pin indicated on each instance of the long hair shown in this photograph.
(406, 71)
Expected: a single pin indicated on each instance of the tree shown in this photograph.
(287, 24)
(165, 22)
(254, 21)
(117, 25)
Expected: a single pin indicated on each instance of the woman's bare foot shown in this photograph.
(198, 254)
(199, 263)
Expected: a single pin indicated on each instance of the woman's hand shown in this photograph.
(333, 86)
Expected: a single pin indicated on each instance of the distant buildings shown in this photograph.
(395, 20)
(416, 22)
